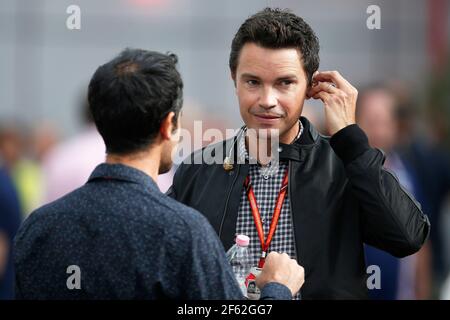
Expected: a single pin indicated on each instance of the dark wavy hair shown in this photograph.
(277, 28)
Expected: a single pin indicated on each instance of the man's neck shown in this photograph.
(146, 161)
(261, 148)
(289, 136)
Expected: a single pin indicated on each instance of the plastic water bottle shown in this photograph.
(239, 259)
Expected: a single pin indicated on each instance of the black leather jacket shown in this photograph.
(341, 197)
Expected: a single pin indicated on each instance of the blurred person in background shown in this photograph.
(43, 140)
(10, 218)
(409, 277)
(16, 150)
(422, 147)
(68, 165)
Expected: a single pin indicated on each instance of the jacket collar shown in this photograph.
(295, 151)
(122, 172)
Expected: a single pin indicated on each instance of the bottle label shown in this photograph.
(253, 292)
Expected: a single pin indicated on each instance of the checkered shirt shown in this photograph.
(266, 183)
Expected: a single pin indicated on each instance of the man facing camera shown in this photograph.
(317, 198)
(118, 233)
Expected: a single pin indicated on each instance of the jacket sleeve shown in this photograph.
(392, 220)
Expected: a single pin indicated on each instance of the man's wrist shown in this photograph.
(349, 142)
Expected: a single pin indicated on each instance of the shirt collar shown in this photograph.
(243, 155)
(296, 151)
(122, 172)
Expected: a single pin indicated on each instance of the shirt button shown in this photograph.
(280, 149)
(266, 177)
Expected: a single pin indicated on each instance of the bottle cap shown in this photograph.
(242, 240)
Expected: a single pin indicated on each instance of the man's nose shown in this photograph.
(268, 99)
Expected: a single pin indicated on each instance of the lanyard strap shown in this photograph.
(257, 216)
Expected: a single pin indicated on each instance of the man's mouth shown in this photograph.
(267, 116)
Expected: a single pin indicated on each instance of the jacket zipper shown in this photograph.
(290, 207)
(292, 215)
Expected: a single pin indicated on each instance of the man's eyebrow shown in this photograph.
(287, 77)
(249, 75)
(284, 77)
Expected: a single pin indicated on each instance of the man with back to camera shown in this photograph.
(127, 239)
(316, 198)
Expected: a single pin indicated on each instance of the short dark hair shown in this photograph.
(130, 96)
(274, 29)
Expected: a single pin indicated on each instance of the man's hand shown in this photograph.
(282, 269)
(338, 96)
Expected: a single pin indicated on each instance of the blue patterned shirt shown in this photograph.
(128, 241)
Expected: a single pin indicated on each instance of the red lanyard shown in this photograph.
(257, 217)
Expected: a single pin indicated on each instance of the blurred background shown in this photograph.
(48, 145)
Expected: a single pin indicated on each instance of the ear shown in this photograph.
(308, 89)
(167, 127)
(310, 85)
